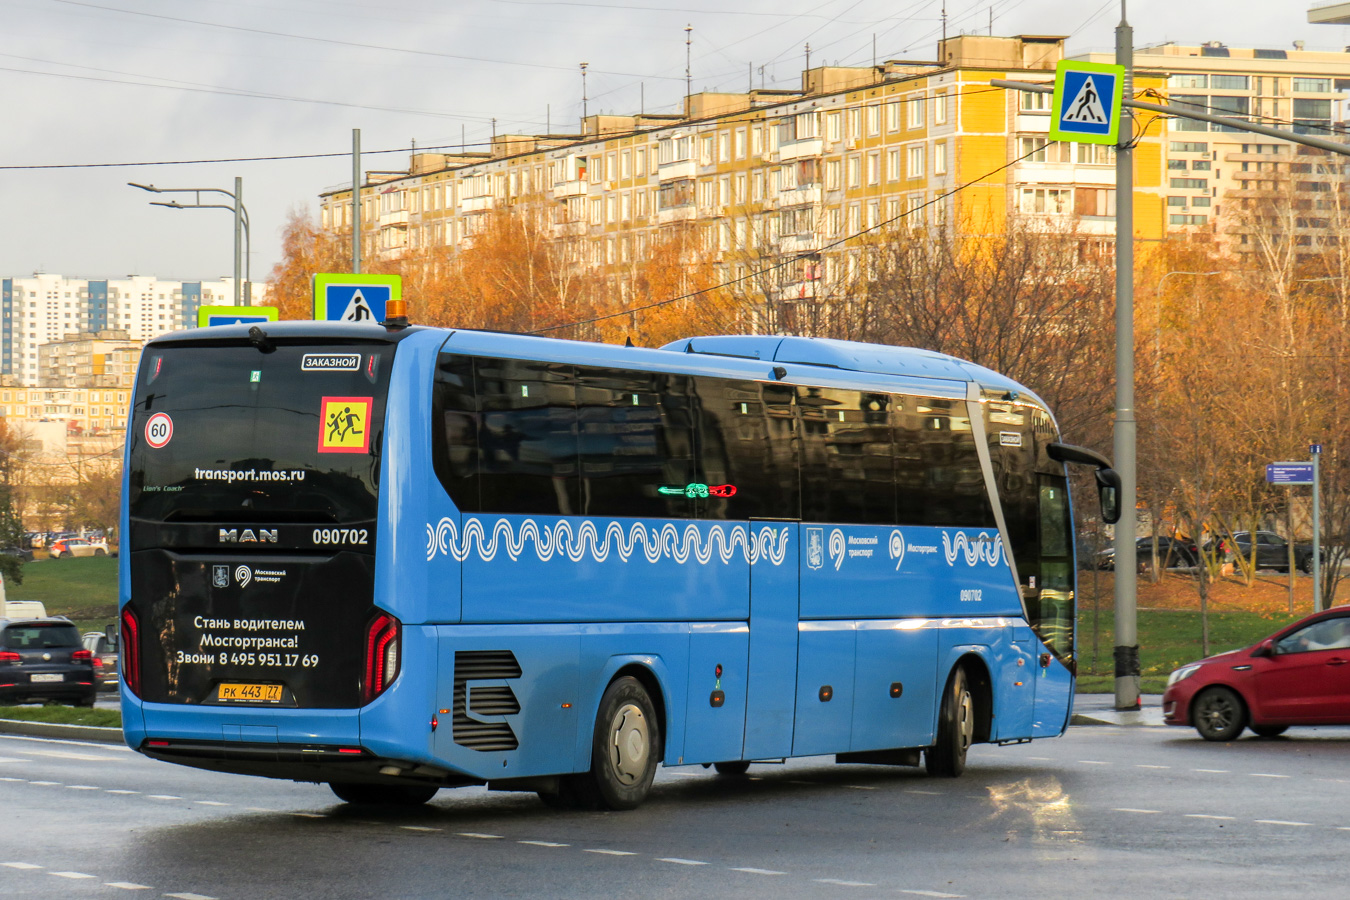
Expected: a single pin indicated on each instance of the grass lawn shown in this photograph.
(64, 715)
(85, 589)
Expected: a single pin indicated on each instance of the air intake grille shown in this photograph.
(488, 700)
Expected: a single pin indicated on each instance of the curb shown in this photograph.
(55, 730)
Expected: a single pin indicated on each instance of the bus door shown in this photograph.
(1050, 603)
(774, 604)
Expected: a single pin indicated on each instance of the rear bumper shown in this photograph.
(41, 693)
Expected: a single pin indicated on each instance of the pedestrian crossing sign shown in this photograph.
(1086, 103)
(356, 299)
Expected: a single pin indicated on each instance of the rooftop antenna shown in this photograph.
(688, 79)
(583, 97)
(808, 56)
(944, 26)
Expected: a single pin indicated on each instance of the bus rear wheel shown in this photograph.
(956, 729)
(383, 794)
(624, 748)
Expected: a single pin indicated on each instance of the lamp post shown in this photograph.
(240, 223)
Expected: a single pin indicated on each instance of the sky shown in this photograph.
(170, 86)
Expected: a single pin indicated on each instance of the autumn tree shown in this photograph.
(306, 250)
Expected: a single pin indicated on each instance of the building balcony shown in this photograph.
(399, 217)
(569, 229)
(799, 243)
(477, 204)
(801, 149)
(565, 189)
(678, 214)
(673, 171)
(801, 196)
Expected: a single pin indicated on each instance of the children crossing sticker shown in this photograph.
(345, 424)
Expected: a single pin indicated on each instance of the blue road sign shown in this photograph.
(1086, 102)
(235, 315)
(1315, 449)
(354, 298)
(1289, 473)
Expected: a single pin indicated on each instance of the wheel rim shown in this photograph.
(965, 722)
(630, 744)
(1217, 714)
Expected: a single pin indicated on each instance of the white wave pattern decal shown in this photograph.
(981, 549)
(562, 540)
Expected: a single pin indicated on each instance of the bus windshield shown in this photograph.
(290, 435)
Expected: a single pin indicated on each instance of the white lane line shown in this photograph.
(1143, 766)
(1093, 762)
(687, 774)
(844, 883)
(5, 759)
(1212, 771)
(860, 787)
(163, 797)
(1264, 775)
(930, 893)
(62, 754)
(1203, 816)
(926, 793)
(20, 865)
(1130, 810)
(257, 808)
(611, 852)
(480, 836)
(13, 779)
(188, 896)
(1040, 758)
(418, 828)
(82, 787)
(70, 874)
(753, 871)
(122, 792)
(543, 843)
(304, 815)
(45, 782)
(1283, 822)
(211, 803)
(681, 862)
(127, 885)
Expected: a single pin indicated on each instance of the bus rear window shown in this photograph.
(223, 432)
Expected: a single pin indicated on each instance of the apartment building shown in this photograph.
(1212, 167)
(99, 359)
(768, 175)
(45, 307)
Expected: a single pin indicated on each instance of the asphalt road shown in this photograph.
(1103, 812)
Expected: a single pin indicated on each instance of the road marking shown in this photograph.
(1093, 762)
(844, 883)
(5, 759)
(122, 792)
(82, 787)
(303, 815)
(14, 779)
(127, 885)
(1203, 816)
(70, 874)
(687, 774)
(752, 871)
(1264, 775)
(253, 808)
(44, 782)
(163, 797)
(1212, 771)
(927, 793)
(479, 835)
(19, 865)
(1142, 766)
(543, 843)
(418, 828)
(860, 787)
(612, 852)
(681, 862)
(1130, 810)
(212, 803)
(186, 896)
(1281, 822)
(62, 754)
(929, 893)
(1040, 758)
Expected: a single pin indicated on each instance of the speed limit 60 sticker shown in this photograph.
(158, 430)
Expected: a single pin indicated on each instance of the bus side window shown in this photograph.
(527, 437)
(455, 430)
(846, 457)
(734, 447)
(938, 476)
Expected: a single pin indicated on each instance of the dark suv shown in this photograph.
(1272, 551)
(42, 660)
(103, 647)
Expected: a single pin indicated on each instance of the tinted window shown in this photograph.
(454, 431)
(746, 439)
(938, 479)
(40, 637)
(527, 437)
(847, 458)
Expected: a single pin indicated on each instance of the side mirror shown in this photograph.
(1108, 493)
(1265, 648)
(110, 633)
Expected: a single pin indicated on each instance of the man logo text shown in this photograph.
(248, 536)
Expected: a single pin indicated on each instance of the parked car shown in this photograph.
(1300, 675)
(1172, 553)
(68, 547)
(103, 647)
(23, 553)
(43, 660)
(1272, 551)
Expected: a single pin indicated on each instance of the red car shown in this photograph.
(1298, 676)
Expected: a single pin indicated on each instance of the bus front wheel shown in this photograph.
(625, 746)
(956, 729)
(383, 794)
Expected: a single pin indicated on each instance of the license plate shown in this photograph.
(251, 693)
(46, 677)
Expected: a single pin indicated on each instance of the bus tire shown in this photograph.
(955, 731)
(624, 748)
(739, 767)
(383, 794)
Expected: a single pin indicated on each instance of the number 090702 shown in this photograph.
(341, 535)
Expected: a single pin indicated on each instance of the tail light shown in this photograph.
(81, 656)
(98, 662)
(382, 655)
(7, 656)
(131, 651)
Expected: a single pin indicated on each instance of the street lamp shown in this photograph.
(240, 220)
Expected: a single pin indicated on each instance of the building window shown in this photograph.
(940, 108)
(833, 175)
(1187, 220)
(1194, 184)
(740, 143)
(1177, 164)
(1229, 82)
(874, 168)
(834, 126)
(916, 162)
(1045, 201)
(893, 116)
(874, 119)
(1312, 86)
(940, 158)
(1189, 147)
(1031, 101)
(854, 172)
(893, 167)
(915, 119)
(1176, 201)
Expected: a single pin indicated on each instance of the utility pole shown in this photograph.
(584, 111)
(356, 201)
(688, 70)
(1126, 577)
(238, 226)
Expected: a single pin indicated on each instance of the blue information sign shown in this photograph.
(1289, 473)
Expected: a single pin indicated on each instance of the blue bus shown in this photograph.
(396, 558)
